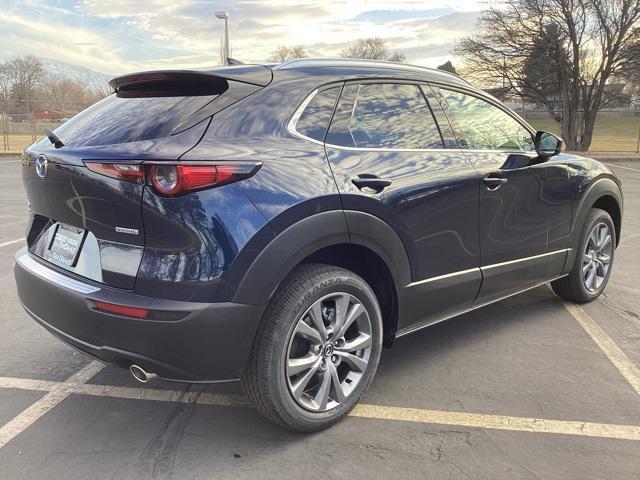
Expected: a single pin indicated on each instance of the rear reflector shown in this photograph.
(122, 309)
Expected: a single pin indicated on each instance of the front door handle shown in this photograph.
(367, 180)
(493, 183)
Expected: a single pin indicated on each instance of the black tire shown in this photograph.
(573, 286)
(266, 381)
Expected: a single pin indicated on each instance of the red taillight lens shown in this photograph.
(122, 171)
(172, 179)
(122, 309)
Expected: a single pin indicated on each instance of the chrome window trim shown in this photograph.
(52, 276)
(485, 267)
(291, 128)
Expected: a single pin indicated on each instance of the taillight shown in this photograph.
(173, 178)
(176, 179)
(122, 171)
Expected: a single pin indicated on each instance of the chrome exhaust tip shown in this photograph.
(141, 374)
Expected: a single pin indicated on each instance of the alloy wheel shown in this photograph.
(328, 352)
(596, 259)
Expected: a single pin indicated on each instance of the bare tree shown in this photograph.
(26, 73)
(67, 96)
(448, 67)
(630, 73)
(5, 87)
(372, 48)
(101, 91)
(579, 45)
(283, 53)
(397, 57)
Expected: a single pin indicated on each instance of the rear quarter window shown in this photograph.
(314, 120)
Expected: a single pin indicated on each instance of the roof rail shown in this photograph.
(344, 62)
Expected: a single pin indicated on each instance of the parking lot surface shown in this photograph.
(530, 387)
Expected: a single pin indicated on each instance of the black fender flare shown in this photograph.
(603, 186)
(309, 235)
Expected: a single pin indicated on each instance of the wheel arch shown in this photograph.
(603, 193)
(367, 246)
(610, 205)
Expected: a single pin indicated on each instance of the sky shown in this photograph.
(119, 36)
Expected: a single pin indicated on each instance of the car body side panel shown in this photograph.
(590, 180)
(192, 240)
(274, 262)
(288, 187)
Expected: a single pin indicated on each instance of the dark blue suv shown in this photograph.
(280, 224)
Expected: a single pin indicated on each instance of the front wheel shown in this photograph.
(317, 348)
(594, 260)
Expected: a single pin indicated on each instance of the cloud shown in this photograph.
(122, 35)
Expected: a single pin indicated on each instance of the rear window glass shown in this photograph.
(388, 115)
(122, 120)
(315, 118)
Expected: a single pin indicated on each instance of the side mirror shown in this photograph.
(547, 144)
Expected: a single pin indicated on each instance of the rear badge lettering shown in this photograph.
(131, 231)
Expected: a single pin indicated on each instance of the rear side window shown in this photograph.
(121, 120)
(384, 115)
(314, 120)
(480, 125)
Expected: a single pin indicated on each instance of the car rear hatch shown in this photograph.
(84, 196)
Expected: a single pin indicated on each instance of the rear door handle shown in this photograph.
(494, 183)
(367, 180)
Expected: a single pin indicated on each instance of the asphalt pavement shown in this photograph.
(530, 387)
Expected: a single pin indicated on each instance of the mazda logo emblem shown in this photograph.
(41, 166)
(328, 350)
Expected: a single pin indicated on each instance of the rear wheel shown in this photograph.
(593, 262)
(317, 348)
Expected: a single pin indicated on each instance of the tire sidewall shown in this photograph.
(346, 282)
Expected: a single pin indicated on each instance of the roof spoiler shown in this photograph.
(189, 82)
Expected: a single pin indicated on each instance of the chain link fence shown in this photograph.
(617, 130)
(21, 130)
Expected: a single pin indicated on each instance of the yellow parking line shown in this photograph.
(56, 394)
(498, 422)
(376, 412)
(625, 366)
(11, 242)
(624, 168)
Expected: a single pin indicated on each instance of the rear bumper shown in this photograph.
(211, 342)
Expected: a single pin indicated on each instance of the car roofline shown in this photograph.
(364, 63)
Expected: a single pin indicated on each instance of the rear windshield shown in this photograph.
(122, 120)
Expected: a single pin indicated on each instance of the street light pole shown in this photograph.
(225, 16)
